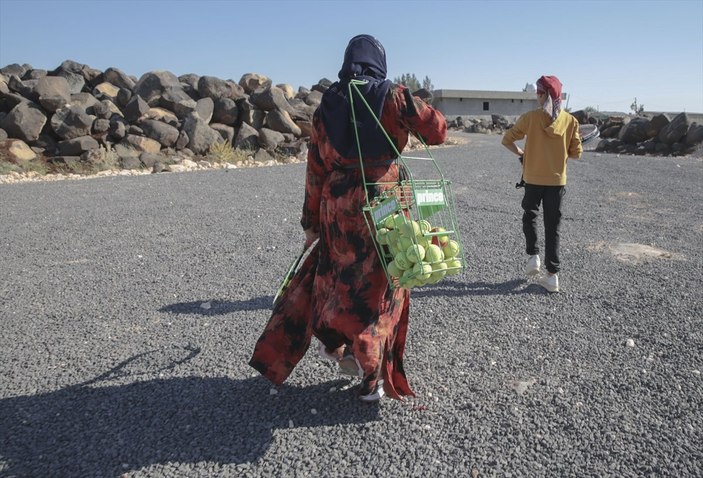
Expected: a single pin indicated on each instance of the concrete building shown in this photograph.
(480, 103)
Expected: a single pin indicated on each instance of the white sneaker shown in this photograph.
(533, 265)
(374, 396)
(348, 364)
(325, 354)
(550, 282)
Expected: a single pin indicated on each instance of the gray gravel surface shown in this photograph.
(129, 308)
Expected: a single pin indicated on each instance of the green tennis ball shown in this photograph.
(410, 229)
(394, 270)
(404, 243)
(402, 261)
(423, 241)
(433, 254)
(382, 236)
(389, 222)
(420, 283)
(439, 270)
(425, 226)
(451, 249)
(393, 236)
(433, 279)
(415, 253)
(422, 271)
(453, 267)
(407, 280)
(399, 220)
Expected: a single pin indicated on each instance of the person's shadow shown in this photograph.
(102, 429)
(210, 307)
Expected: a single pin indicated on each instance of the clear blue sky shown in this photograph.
(605, 52)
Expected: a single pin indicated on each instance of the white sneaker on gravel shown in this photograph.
(550, 282)
(325, 354)
(348, 364)
(533, 265)
(374, 396)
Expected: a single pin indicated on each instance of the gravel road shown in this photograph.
(129, 308)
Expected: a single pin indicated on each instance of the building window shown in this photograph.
(485, 106)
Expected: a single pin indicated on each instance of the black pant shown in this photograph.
(550, 197)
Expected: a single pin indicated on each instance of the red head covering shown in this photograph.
(552, 86)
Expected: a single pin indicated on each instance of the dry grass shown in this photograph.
(221, 153)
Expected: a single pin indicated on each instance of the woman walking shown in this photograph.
(341, 293)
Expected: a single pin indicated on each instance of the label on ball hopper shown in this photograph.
(430, 197)
(384, 209)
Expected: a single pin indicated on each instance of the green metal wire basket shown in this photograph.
(412, 221)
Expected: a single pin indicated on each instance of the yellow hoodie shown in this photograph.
(548, 146)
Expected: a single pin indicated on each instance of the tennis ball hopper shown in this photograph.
(412, 221)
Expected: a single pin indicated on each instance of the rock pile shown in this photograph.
(75, 114)
(657, 135)
(497, 124)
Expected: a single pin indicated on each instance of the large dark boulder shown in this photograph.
(164, 133)
(694, 134)
(86, 101)
(282, 122)
(13, 69)
(53, 92)
(152, 85)
(135, 109)
(77, 146)
(250, 114)
(25, 121)
(247, 138)
(177, 100)
(25, 88)
(201, 136)
(225, 111)
(212, 87)
(637, 130)
(71, 122)
(269, 99)
(205, 108)
(119, 78)
(270, 139)
(674, 131)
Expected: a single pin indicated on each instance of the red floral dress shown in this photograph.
(341, 294)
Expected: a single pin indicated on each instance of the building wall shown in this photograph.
(474, 106)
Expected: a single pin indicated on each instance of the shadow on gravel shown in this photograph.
(98, 429)
(453, 289)
(219, 307)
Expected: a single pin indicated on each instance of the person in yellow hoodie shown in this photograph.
(552, 137)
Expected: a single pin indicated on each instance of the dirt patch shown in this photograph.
(633, 199)
(634, 253)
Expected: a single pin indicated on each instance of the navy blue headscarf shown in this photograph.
(364, 59)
